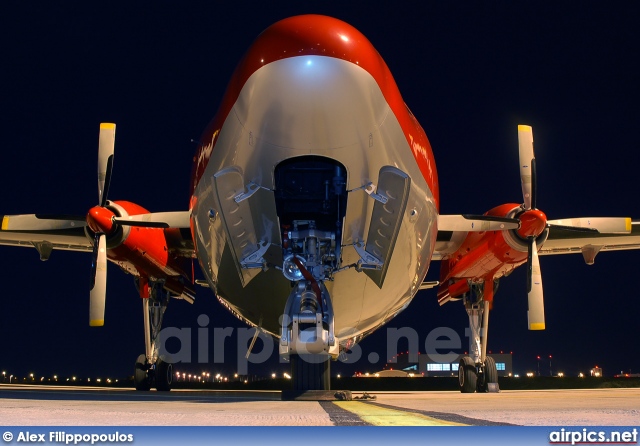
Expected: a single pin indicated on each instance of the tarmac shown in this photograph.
(24, 405)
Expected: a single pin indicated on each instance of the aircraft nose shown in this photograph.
(99, 219)
(532, 223)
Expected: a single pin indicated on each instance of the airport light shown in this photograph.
(55, 377)
(273, 375)
(529, 374)
(580, 375)
(560, 375)
(4, 375)
(74, 378)
(338, 376)
(235, 375)
(287, 376)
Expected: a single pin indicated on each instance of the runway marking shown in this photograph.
(451, 417)
(378, 415)
(340, 416)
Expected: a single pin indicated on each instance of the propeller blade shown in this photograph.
(536, 297)
(105, 160)
(603, 225)
(179, 219)
(527, 165)
(98, 281)
(36, 222)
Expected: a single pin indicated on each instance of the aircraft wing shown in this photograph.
(561, 240)
(45, 233)
(66, 232)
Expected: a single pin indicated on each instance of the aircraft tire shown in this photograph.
(310, 372)
(141, 379)
(467, 376)
(163, 376)
(490, 372)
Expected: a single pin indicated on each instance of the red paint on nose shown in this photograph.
(532, 223)
(99, 219)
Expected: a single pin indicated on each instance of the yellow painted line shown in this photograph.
(5, 223)
(381, 416)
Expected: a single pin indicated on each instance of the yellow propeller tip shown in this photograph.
(537, 326)
(524, 128)
(96, 323)
(107, 126)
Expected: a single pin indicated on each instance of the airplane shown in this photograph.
(314, 214)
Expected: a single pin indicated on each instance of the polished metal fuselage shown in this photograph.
(327, 107)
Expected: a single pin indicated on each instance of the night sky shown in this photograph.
(470, 72)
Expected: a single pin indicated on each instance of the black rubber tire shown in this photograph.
(467, 375)
(490, 372)
(310, 372)
(163, 376)
(141, 379)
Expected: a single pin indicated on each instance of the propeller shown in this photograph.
(533, 222)
(536, 221)
(106, 144)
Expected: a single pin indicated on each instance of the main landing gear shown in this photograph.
(153, 369)
(478, 372)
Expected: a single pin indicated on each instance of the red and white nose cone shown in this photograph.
(532, 223)
(99, 219)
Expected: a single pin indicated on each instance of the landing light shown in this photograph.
(291, 270)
